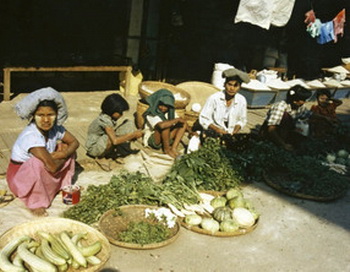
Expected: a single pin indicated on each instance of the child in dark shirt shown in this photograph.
(326, 120)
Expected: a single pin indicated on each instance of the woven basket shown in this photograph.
(146, 88)
(111, 224)
(198, 229)
(199, 91)
(279, 188)
(142, 107)
(219, 233)
(191, 117)
(57, 225)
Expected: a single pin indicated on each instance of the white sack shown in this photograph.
(217, 80)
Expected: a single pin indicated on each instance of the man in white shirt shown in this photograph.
(225, 112)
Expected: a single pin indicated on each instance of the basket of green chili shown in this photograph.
(140, 226)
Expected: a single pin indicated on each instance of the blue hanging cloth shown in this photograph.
(326, 33)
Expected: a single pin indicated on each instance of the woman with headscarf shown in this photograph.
(43, 156)
(162, 128)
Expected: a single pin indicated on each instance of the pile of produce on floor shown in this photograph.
(338, 161)
(126, 189)
(298, 172)
(216, 168)
(155, 227)
(224, 213)
(51, 252)
(206, 169)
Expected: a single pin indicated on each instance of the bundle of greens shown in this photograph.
(145, 233)
(206, 169)
(126, 189)
(308, 174)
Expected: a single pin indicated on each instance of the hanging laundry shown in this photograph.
(314, 28)
(265, 13)
(339, 21)
(310, 17)
(326, 33)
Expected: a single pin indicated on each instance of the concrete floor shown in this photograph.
(292, 234)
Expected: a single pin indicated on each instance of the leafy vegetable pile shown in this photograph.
(212, 168)
(125, 189)
(206, 169)
(307, 173)
(144, 233)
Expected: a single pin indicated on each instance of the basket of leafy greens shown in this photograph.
(140, 226)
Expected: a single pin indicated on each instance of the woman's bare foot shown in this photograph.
(39, 212)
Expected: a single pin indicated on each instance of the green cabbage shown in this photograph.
(233, 192)
(222, 213)
(343, 154)
(229, 225)
(237, 202)
(218, 201)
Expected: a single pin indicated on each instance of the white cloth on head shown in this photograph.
(31, 137)
(26, 107)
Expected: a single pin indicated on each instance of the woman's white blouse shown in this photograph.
(31, 137)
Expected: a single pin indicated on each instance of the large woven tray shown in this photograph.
(220, 233)
(56, 225)
(146, 88)
(111, 224)
(269, 180)
(198, 229)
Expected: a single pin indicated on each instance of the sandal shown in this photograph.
(104, 164)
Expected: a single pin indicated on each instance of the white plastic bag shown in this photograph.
(194, 143)
(217, 80)
(302, 127)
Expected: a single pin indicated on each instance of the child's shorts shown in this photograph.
(152, 143)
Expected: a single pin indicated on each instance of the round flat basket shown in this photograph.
(198, 229)
(113, 222)
(240, 231)
(271, 181)
(191, 117)
(182, 98)
(56, 225)
(198, 90)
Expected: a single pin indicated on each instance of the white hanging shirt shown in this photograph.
(265, 13)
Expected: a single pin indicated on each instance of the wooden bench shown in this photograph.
(8, 70)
